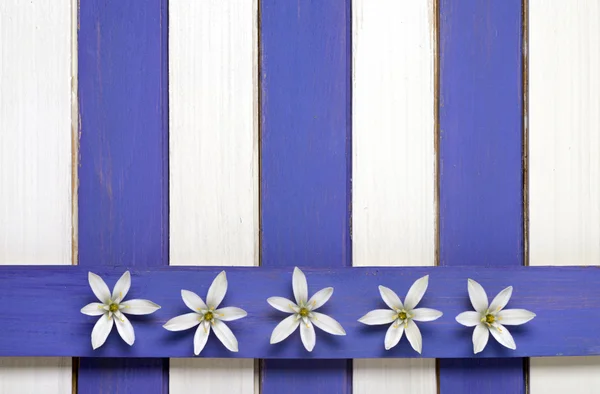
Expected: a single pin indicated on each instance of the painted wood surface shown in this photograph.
(35, 160)
(305, 159)
(123, 173)
(393, 160)
(213, 159)
(60, 329)
(564, 161)
(481, 199)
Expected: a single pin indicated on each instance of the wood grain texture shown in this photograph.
(393, 159)
(213, 159)
(564, 160)
(35, 160)
(305, 159)
(123, 173)
(58, 328)
(481, 199)
(32, 375)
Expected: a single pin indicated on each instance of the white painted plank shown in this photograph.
(564, 160)
(213, 159)
(35, 160)
(393, 173)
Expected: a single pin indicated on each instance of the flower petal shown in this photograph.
(124, 328)
(501, 300)
(327, 324)
(217, 291)
(469, 318)
(121, 287)
(390, 298)
(225, 335)
(101, 330)
(284, 329)
(201, 336)
(283, 304)
(300, 286)
(139, 307)
(393, 335)
(425, 314)
(514, 317)
(416, 293)
(481, 335)
(230, 313)
(379, 316)
(93, 309)
(183, 322)
(99, 288)
(478, 297)
(503, 336)
(193, 301)
(320, 298)
(307, 334)
(413, 334)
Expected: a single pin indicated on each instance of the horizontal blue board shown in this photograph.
(42, 315)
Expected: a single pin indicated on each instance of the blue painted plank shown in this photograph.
(481, 213)
(130, 376)
(45, 318)
(495, 375)
(305, 157)
(123, 192)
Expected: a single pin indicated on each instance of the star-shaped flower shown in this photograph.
(207, 316)
(403, 316)
(492, 318)
(112, 308)
(303, 309)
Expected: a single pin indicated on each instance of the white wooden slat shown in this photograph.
(213, 159)
(564, 161)
(393, 164)
(35, 160)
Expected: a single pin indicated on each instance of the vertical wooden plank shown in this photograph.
(481, 199)
(35, 161)
(393, 160)
(213, 139)
(564, 161)
(123, 174)
(305, 160)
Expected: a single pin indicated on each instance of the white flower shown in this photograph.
(207, 316)
(492, 318)
(403, 316)
(303, 309)
(112, 306)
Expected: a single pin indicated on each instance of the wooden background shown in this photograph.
(427, 132)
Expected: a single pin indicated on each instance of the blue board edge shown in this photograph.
(47, 319)
(481, 195)
(305, 75)
(123, 174)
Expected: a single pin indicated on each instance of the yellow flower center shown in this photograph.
(303, 312)
(489, 319)
(208, 316)
(402, 315)
(113, 307)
